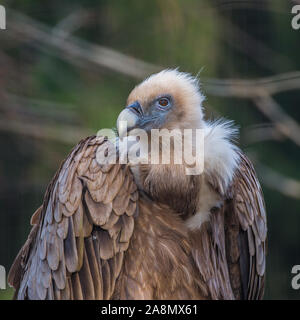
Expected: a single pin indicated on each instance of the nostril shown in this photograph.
(136, 108)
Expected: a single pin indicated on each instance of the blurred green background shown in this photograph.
(66, 68)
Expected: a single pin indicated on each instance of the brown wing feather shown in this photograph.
(246, 232)
(75, 249)
(229, 250)
(209, 254)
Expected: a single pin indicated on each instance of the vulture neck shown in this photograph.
(193, 196)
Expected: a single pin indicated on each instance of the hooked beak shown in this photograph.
(129, 118)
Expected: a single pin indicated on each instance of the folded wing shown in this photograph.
(230, 250)
(76, 247)
(246, 234)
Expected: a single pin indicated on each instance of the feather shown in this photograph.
(252, 235)
(70, 249)
(94, 269)
(86, 279)
(98, 211)
(106, 280)
(127, 228)
(77, 291)
(59, 275)
(106, 245)
(131, 208)
(120, 203)
(36, 216)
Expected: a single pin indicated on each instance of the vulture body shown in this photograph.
(149, 231)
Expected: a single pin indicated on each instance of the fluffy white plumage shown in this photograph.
(221, 159)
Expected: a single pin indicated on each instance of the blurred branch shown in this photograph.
(70, 24)
(261, 132)
(65, 134)
(252, 88)
(37, 108)
(259, 90)
(263, 5)
(277, 181)
(282, 121)
(76, 50)
(253, 48)
(84, 52)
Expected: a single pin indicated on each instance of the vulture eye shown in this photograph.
(163, 102)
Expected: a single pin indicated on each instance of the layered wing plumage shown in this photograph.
(76, 247)
(246, 234)
(230, 250)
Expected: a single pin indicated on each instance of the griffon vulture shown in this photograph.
(149, 231)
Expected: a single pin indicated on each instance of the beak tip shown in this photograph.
(122, 130)
(126, 120)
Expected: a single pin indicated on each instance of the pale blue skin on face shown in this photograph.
(156, 113)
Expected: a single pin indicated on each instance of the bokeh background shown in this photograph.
(66, 68)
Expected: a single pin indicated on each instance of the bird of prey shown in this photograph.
(142, 230)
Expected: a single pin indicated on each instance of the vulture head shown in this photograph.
(172, 100)
(167, 100)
